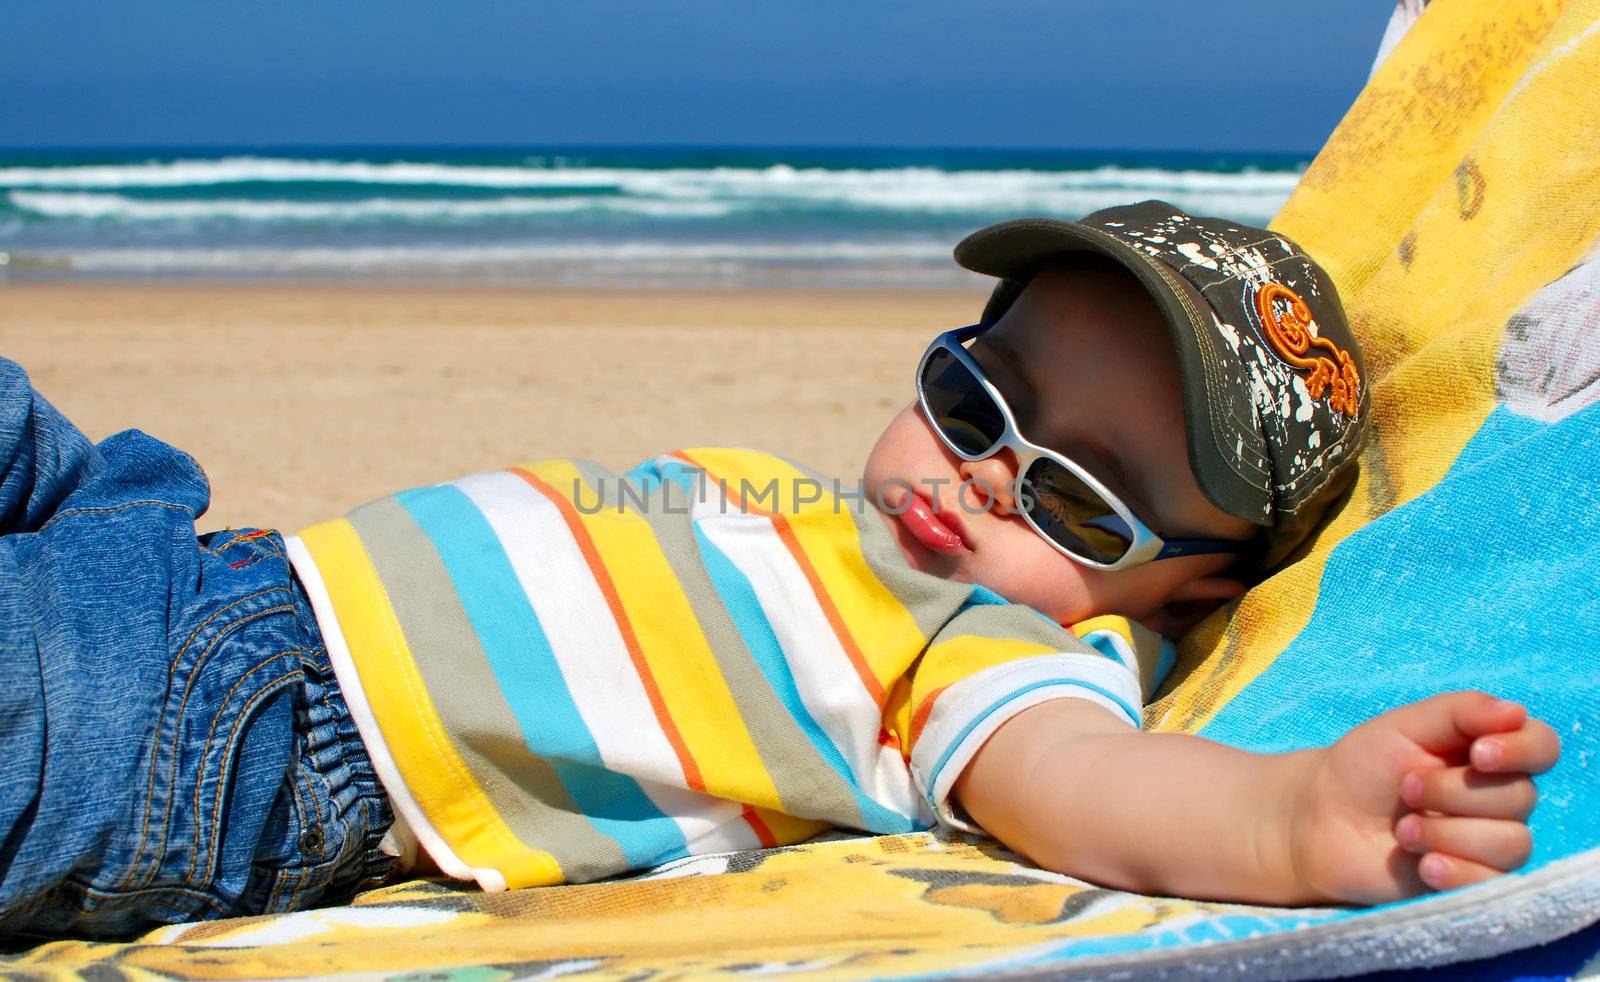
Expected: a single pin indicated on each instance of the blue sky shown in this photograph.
(1218, 75)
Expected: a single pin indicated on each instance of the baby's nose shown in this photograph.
(987, 485)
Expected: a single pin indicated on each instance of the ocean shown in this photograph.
(598, 217)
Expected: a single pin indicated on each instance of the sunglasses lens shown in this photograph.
(1074, 514)
(958, 404)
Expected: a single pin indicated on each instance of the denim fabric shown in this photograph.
(173, 744)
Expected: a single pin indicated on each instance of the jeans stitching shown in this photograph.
(150, 785)
(167, 890)
(280, 875)
(220, 549)
(261, 543)
(297, 877)
(267, 689)
(277, 874)
(232, 733)
(188, 689)
(280, 885)
(111, 509)
(309, 813)
(177, 721)
(178, 658)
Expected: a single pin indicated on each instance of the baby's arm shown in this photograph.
(1432, 795)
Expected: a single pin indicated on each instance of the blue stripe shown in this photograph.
(744, 609)
(998, 704)
(1104, 642)
(529, 676)
(982, 596)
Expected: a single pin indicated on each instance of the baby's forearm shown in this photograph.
(1077, 791)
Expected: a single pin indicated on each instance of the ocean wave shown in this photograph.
(920, 186)
(276, 170)
(103, 206)
(976, 198)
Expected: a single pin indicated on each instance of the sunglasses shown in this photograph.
(1063, 502)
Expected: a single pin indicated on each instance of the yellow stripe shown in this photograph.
(787, 830)
(965, 655)
(669, 636)
(1145, 643)
(952, 660)
(883, 629)
(434, 773)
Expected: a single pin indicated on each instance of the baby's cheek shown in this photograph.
(1040, 578)
(904, 449)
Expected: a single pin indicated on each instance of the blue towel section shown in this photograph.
(1553, 962)
(1490, 580)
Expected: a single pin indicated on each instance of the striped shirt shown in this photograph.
(563, 673)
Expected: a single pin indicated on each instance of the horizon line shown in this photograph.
(512, 147)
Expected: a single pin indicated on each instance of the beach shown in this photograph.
(302, 402)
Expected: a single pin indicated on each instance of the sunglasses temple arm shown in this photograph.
(1172, 548)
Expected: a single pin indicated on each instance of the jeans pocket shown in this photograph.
(216, 762)
(319, 844)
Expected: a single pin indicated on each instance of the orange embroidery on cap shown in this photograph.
(1290, 333)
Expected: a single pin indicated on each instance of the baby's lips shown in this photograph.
(924, 524)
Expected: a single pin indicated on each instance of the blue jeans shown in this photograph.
(173, 743)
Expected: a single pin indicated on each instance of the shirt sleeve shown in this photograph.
(994, 660)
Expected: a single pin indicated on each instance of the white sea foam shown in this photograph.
(1247, 193)
(237, 170)
(930, 198)
(99, 205)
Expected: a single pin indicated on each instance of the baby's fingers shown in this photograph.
(1443, 872)
(1491, 841)
(1531, 748)
(1448, 723)
(1468, 792)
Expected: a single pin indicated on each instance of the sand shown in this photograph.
(302, 402)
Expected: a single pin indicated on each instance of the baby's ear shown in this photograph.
(1192, 603)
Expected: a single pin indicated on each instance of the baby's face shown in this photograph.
(1084, 359)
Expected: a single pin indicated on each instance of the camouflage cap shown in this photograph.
(1275, 401)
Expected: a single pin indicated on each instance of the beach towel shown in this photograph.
(1457, 206)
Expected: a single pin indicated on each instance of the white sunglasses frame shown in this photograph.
(1147, 545)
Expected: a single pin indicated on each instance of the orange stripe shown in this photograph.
(768, 840)
(780, 524)
(920, 718)
(591, 555)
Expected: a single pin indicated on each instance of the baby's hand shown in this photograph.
(1428, 796)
